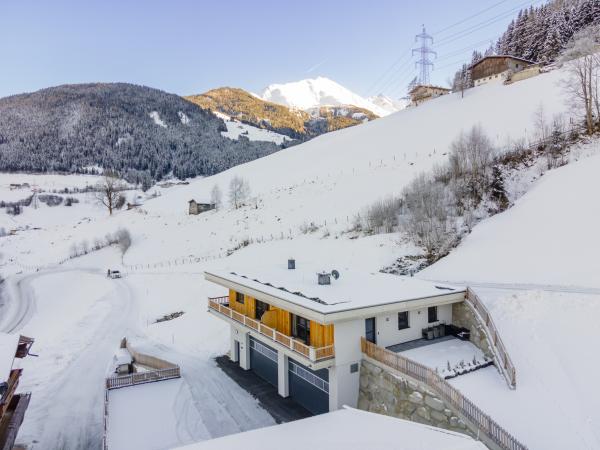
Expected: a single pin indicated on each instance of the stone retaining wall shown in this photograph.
(464, 316)
(400, 396)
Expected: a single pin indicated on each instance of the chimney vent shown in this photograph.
(291, 263)
(324, 278)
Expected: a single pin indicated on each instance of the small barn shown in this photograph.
(423, 92)
(497, 68)
(197, 207)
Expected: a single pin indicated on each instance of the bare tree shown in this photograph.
(582, 63)
(239, 190)
(108, 191)
(216, 196)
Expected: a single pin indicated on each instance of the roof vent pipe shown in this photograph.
(324, 278)
(291, 263)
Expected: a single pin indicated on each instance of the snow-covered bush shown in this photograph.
(239, 191)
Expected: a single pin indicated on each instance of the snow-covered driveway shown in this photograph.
(78, 316)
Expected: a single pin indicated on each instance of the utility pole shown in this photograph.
(424, 63)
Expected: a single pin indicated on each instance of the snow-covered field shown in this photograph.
(548, 240)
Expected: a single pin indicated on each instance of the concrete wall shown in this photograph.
(343, 383)
(524, 74)
(387, 325)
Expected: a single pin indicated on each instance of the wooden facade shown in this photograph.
(280, 319)
(492, 67)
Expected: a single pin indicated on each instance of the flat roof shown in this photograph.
(8, 350)
(352, 290)
(348, 429)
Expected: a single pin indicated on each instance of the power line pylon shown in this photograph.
(424, 63)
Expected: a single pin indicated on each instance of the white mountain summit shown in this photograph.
(321, 91)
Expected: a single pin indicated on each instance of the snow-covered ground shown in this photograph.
(446, 357)
(78, 316)
(236, 129)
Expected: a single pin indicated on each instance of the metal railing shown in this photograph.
(480, 420)
(219, 304)
(504, 363)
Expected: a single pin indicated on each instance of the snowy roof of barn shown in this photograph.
(347, 428)
(353, 290)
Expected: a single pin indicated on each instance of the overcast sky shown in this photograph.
(187, 46)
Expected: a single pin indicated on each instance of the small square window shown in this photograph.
(354, 368)
(432, 314)
(239, 297)
(403, 320)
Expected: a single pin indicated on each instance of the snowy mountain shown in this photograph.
(315, 92)
(258, 119)
(389, 104)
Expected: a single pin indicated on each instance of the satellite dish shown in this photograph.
(335, 274)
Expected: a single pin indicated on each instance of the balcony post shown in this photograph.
(244, 340)
(283, 375)
(312, 353)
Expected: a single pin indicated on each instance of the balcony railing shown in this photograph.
(220, 305)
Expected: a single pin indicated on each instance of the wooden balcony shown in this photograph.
(314, 354)
(13, 382)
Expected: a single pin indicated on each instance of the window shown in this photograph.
(301, 329)
(239, 297)
(432, 314)
(261, 308)
(403, 320)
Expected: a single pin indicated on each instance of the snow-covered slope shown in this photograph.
(550, 237)
(314, 92)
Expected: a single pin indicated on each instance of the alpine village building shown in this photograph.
(501, 68)
(12, 405)
(301, 329)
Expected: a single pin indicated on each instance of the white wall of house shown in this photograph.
(387, 325)
(343, 383)
(497, 78)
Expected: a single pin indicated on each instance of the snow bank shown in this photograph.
(550, 237)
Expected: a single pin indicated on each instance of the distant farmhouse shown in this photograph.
(197, 208)
(423, 92)
(502, 68)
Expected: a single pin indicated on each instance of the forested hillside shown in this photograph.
(292, 122)
(540, 33)
(141, 132)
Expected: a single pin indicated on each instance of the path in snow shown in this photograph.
(78, 317)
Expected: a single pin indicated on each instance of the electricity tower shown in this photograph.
(424, 63)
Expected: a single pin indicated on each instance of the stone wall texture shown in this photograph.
(464, 316)
(394, 395)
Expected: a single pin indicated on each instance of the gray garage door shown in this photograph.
(263, 361)
(309, 388)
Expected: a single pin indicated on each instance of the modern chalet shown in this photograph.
(499, 68)
(12, 405)
(301, 328)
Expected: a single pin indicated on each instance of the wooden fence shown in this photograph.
(504, 363)
(480, 420)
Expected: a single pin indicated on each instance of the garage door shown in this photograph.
(263, 361)
(309, 388)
